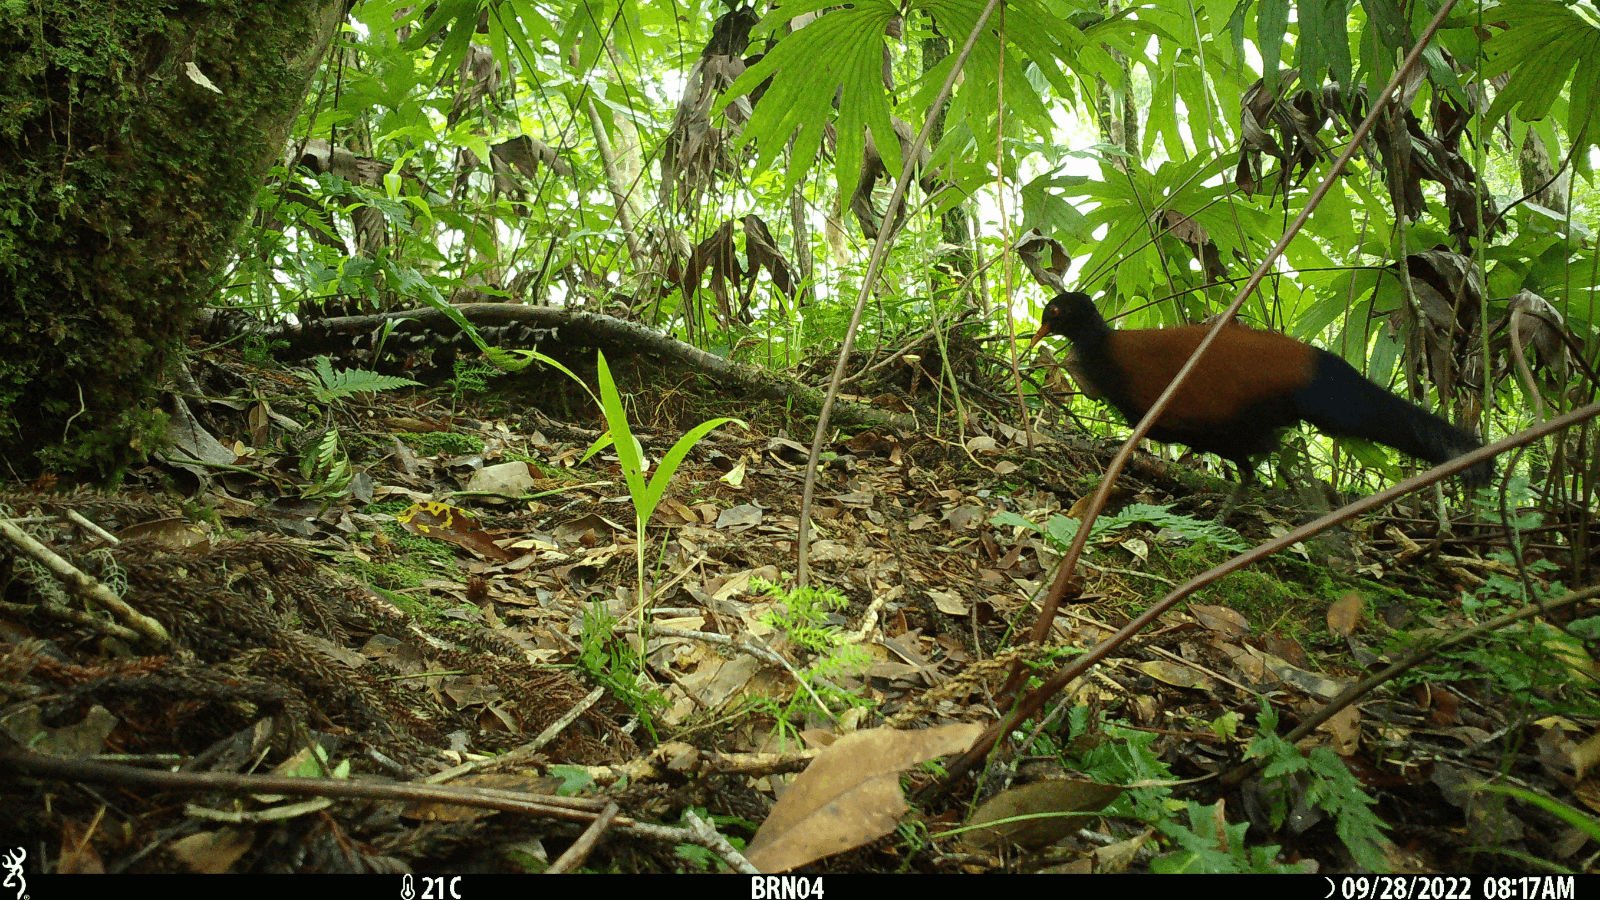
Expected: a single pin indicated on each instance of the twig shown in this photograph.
(715, 842)
(85, 585)
(585, 844)
(526, 750)
(1162, 651)
(68, 614)
(22, 762)
(92, 528)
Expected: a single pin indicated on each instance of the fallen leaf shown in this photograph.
(1221, 619)
(78, 856)
(199, 77)
(1345, 726)
(1138, 548)
(1056, 808)
(447, 523)
(1585, 756)
(949, 603)
(511, 479)
(212, 852)
(849, 795)
(1176, 675)
(86, 738)
(744, 515)
(1113, 859)
(1345, 614)
(962, 517)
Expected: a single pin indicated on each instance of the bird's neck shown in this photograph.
(1088, 333)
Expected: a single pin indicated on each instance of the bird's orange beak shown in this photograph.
(1041, 334)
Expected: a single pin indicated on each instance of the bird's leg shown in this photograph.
(1247, 477)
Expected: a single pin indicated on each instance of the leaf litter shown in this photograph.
(465, 615)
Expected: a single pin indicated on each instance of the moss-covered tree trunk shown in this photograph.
(133, 138)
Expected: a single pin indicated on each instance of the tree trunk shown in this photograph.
(133, 139)
(1539, 176)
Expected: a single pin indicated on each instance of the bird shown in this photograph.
(1249, 385)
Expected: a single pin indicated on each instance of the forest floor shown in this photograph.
(433, 599)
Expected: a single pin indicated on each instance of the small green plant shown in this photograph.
(1201, 850)
(1328, 786)
(615, 664)
(470, 378)
(258, 350)
(326, 467)
(1060, 530)
(1499, 590)
(384, 333)
(328, 386)
(1110, 754)
(801, 615)
(1573, 816)
(630, 455)
(1539, 666)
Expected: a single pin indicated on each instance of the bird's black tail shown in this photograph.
(1340, 401)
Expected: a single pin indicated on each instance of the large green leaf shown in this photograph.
(1545, 42)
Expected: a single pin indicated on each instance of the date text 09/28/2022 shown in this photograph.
(1451, 887)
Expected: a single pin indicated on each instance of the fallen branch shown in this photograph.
(570, 328)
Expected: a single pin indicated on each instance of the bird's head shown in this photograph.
(1072, 315)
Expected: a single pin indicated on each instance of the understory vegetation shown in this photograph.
(497, 477)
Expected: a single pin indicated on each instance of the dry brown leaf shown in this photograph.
(1585, 756)
(86, 738)
(1345, 726)
(741, 516)
(683, 512)
(1345, 614)
(1226, 622)
(1588, 793)
(78, 856)
(816, 738)
(1313, 683)
(1176, 674)
(849, 795)
(1114, 859)
(1045, 799)
(982, 444)
(171, 533)
(949, 603)
(212, 852)
(448, 523)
